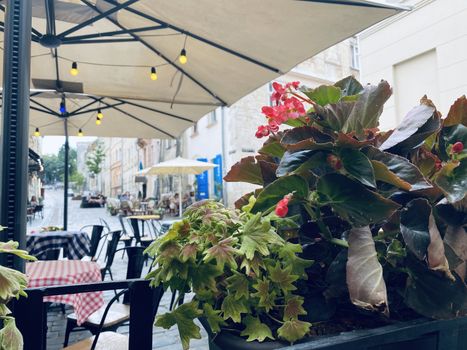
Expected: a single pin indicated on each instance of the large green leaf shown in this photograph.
(421, 235)
(283, 277)
(433, 295)
(452, 179)
(255, 329)
(334, 116)
(254, 170)
(418, 124)
(273, 149)
(296, 135)
(353, 201)
(358, 165)
(382, 173)
(455, 238)
(324, 94)
(457, 113)
(368, 108)
(301, 160)
(349, 86)
(274, 192)
(365, 280)
(10, 336)
(213, 317)
(183, 316)
(401, 167)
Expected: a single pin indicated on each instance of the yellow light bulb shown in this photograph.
(37, 133)
(80, 133)
(98, 121)
(153, 73)
(74, 69)
(183, 59)
(100, 115)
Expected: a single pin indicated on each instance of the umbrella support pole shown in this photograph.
(15, 126)
(65, 178)
(180, 205)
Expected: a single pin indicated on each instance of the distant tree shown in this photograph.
(72, 159)
(95, 160)
(78, 179)
(53, 169)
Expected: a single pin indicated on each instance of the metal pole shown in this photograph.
(15, 126)
(65, 178)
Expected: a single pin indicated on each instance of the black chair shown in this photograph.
(110, 253)
(125, 237)
(96, 235)
(49, 254)
(119, 314)
(144, 241)
(39, 210)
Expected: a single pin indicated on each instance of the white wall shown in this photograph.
(436, 27)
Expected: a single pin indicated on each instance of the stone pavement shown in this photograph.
(56, 321)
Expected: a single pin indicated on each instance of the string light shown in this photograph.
(62, 107)
(74, 69)
(100, 115)
(80, 133)
(153, 73)
(183, 59)
(98, 121)
(37, 133)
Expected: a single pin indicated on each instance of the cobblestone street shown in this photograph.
(56, 321)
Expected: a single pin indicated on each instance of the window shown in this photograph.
(195, 129)
(212, 118)
(355, 54)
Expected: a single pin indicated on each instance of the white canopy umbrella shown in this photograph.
(116, 48)
(179, 166)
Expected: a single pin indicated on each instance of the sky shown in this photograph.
(51, 144)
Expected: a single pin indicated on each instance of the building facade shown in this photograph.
(417, 57)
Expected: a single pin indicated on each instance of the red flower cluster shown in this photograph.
(286, 108)
(282, 206)
(458, 147)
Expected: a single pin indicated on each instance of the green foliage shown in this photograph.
(239, 267)
(381, 214)
(12, 285)
(95, 160)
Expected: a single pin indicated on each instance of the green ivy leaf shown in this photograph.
(204, 276)
(252, 265)
(255, 330)
(283, 277)
(183, 316)
(358, 165)
(293, 308)
(256, 236)
(213, 317)
(288, 252)
(234, 308)
(223, 252)
(293, 330)
(266, 298)
(238, 285)
(353, 201)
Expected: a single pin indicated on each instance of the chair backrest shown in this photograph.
(112, 248)
(96, 235)
(134, 266)
(135, 226)
(105, 224)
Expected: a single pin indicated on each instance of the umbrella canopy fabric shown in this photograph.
(179, 166)
(231, 47)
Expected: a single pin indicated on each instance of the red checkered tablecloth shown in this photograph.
(68, 272)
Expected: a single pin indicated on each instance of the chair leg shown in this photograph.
(69, 327)
(62, 307)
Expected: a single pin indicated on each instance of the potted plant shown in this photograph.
(12, 285)
(382, 216)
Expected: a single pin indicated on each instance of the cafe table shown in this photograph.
(145, 219)
(68, 272)
(75, 244)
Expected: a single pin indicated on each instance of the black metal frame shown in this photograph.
(31, 317)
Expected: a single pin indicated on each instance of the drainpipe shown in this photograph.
(224, 155)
